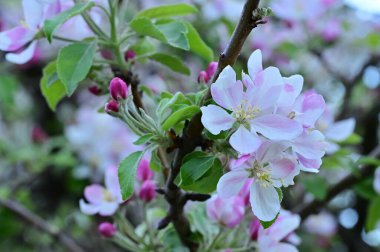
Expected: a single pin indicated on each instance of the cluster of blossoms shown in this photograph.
(272, 127)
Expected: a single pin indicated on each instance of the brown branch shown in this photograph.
(66, 241)
(192, 134)
(344, 184)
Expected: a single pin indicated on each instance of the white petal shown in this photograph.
(24, 56)
(231, 183)
(244, 141)
(215, 119)
(255, 64)
(339, 131)
(265, 201)
(88, 209)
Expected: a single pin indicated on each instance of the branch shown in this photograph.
(41, 224)
(344, 184)
(192, 134)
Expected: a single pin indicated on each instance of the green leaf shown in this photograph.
(267, 224)
(180, 115)
(369, 161)
(373, 214)
(168, 11)
(172, 62)
(207, 183)
(195, 165)
(8, 88)
(197, 45)
(316, 186)
(144, 139)
(143, 47)
(171, 32)
(51, 87)
(127, 173)
(73, 64)
(279, 192)
(51, 25)
(352, 139)
(365, 189)
(155, 163)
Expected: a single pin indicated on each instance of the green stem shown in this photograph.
(216, 238)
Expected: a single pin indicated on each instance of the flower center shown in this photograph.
(107, 196)
(261, 173)
(245, 112)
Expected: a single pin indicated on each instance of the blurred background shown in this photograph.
(47, 157)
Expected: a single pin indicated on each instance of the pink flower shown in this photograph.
(107, 229)
(254, 228)
(211, 69)
(227, 212)
(376, 182)
(19, 40)
(252, 109)
(203, 77)
(147, 191)
(270, 239)
(323, 224)
(118, 89)
(103, 200)
(270, 168)
(334, 131)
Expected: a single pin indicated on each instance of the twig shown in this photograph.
(41, 224)
(344, 184)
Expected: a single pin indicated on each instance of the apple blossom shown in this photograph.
(270, 239)
(252, 109)
(270, 168)
(227, 212)
(103, 200)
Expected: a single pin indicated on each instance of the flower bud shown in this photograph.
(128, 55)
(38, 135)
(148, 191)
(203, 77)
(143, 171)
(112, 107)
(211, 69)
(95, 90)
(107, 229)
(107, 54)
(118, 89)
(254, 229)
(227, 212)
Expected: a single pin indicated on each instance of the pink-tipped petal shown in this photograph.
(226, 91)
(309, 108)
(215, 119)
(284, 225)
(310, 145)
(15, 38)
(94, 193)
(276, 127)
(24, 56)
(231, 183)
(339, 131)
(244, 141)
(291, 90)
(265, 201)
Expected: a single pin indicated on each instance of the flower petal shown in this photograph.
(286, 247)
(215, 119)
(33, 12)
(244, 141)
(255, 64)
(108, 208)
(24, 56)
(88, 208)
(226, 91)
(276, 127)
(340, 130)
(94, 193)
(285, 170)
(291, 90)
(15, 38)
(310, 145)
(231, 183)
(285, 224)
(309, 107)
(265, 201)
(112, 181)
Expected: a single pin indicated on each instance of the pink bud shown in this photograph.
(227, 212)
(332, 30)
(38, 135)
(211, 69)
(203, 77)
(118, 89)
(147, 191)
(254, 229)
(107, 54)
(143, 171)
(128, 55)
(95, 90)
(112, 106)
(107, 229)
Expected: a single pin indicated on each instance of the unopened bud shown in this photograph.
(95, 90)
(118, 89)
(254, 229)
(128, 55)
(211, 69)
(107, 229)
(38, 135)
(107, 54)
(148, 191)
(203, 77)
(112, 107)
